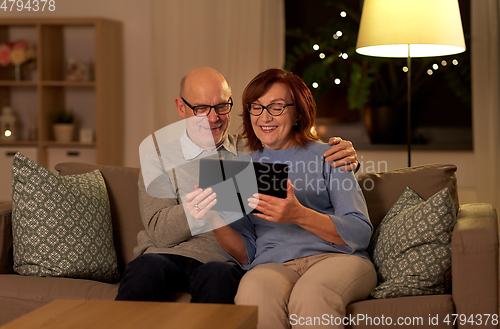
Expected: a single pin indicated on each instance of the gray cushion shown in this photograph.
(61, 225)
(411, 248)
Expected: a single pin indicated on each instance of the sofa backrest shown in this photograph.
(121, 183)
(382, 190)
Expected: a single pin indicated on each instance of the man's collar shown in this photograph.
(191, 151)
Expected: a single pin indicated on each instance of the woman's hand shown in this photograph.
(290, 210)
(278, 210)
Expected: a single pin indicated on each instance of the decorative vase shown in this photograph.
(63, 132)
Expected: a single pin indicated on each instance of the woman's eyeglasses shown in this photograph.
(274, 109)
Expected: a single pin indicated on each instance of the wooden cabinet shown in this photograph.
(97, 103)
(6, 156)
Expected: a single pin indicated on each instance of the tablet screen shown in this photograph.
(236, 181)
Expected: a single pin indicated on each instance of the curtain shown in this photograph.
(238, 38)
(485, 20)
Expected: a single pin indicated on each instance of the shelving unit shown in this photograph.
(98, 104)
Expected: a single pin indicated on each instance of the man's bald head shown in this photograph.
(204, 76)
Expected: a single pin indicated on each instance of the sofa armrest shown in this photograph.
(474, 246)
(6, 262)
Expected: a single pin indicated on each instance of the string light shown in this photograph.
(315, 85)
(337, 81)
(345, 56)
(335, 36)
(430, 72)
(339, 33)
(444, 63)
(454, 62)
(8, 133)
(343, 14)
(322, 56)
(405, 69)
(316, 46)
(435, 66)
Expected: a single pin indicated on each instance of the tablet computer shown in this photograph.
(236, 181)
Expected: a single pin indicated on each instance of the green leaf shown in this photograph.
(359, 92)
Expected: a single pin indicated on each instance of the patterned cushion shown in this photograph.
(61, 225)
(411, 248)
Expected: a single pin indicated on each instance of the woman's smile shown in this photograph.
(268, 129)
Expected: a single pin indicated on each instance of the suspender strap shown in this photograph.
(163, 167)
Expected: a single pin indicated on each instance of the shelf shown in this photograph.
(71, 144)
(46, 144)
(11, 83)
(18, 143)
(66, 83)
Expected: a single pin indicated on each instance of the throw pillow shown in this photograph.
(61, 225)
(411, 249)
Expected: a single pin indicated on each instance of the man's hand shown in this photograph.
(342, 153)
(199, 204)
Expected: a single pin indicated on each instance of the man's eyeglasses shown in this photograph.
(274, 109)
(204, 110)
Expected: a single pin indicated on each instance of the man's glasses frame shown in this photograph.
(220, 109)
(262, 107)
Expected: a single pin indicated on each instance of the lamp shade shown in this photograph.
(429, 27)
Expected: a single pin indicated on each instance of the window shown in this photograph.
(320, 46)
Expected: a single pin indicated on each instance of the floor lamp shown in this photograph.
(410, 28)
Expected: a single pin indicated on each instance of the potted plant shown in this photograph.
(64, 125)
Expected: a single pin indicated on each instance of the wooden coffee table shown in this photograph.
(96, 314)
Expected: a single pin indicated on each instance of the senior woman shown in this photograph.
(305, 253)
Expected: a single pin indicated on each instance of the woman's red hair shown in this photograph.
(301, 97)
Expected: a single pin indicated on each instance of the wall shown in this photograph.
(135, 16)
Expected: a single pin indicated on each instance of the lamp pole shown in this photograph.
(408, 121)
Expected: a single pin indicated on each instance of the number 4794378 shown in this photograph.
(29, 5)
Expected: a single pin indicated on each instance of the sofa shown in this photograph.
(474, 253)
